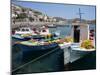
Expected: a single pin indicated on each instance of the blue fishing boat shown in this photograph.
(49, 55)
(31, 52)
(18, 37)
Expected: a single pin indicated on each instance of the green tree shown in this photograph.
(21, 16)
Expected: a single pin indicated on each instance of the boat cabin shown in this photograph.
(80, 32)
(44, 30)
(27, 30)
(23, 30)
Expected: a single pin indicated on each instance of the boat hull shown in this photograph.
(48, 58)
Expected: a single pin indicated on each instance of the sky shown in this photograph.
(67, 11)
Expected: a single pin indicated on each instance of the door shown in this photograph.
(76, 34)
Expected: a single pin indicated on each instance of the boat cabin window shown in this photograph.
(43, 30)
(27, 29)
(18, 29)
(23, 29)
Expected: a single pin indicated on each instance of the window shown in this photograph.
(23, 29)
(18, 29)
(43, 30)
(27, 29)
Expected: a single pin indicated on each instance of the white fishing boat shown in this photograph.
(24, 30)
(44, 31)
(82, 44)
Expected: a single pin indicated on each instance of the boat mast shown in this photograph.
(80, 15)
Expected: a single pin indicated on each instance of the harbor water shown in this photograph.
(66, 30)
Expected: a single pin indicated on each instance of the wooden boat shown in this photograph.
(45, 54)
(24, 30)
(18, 37)
(30, 51)
(26, 33)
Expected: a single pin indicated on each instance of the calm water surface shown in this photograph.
(66, 30)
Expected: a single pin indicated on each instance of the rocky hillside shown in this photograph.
(20, 13)
(75, 20)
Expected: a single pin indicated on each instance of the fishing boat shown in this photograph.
(26, 33)
(44, 31)
(32, 50)
(22, 34)
(18, 37)
(52, 26)
(24, 30)
(36, 57)
(77, 52)
(82, 43)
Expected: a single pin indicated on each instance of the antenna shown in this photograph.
(80, 15)
(28, 17)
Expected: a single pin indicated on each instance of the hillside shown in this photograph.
(75, 20)
(20, 13)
